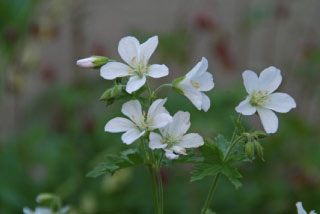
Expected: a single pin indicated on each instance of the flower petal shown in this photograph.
(205, 81)
(155, 141)
(157, 108)
(132, 109)
(300, 208)
(27, 211)
(171, 155)
(160, 120)
(135, 83)
(280, 102)
(198, 69)
(250, 80)
(245, 108)
(118, 124)
(179, 150)
(191, 93)
(147, 49)
(269, 120)
(191, 140)
(157, 71)
(129, 50)
(179, 125)
(132, 135)
(113, 70)
(205, 103)
(270, 79)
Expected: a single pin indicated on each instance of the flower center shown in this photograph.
(139, 68)
(258, 98)
(144, 122)
(195, 84)
(170, 139)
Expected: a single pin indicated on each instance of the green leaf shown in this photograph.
(232, 174)
(223, 143)
(127, 158)
(202, 170)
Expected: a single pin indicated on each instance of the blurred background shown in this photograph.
(51, 130)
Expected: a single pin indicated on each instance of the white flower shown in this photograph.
(195, 82)
(44, 210)
(301, 210)
(261, 98)
(157, 117)
(137, 56)
(173, 139)
(92, 62)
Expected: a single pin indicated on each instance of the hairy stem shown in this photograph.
(234, 141)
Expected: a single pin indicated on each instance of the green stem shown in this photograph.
(215, 181)
(154, 189)
(161, 86)
(160, 182)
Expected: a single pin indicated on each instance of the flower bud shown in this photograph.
(44, 197)
(249, 149)
(260, 134)
(258, 149)
(112, 92)
(92, 62)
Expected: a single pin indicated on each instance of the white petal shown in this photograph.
(179, 150)
(198, 69)
(191, 93)
(157, 71)
(300, 208)
(313, 212)
(129, 49)
(205, 81)
(245, 108)
(280, 102)
(43, 210)
(147, 49)
(132, 109)
(27, 211)
(171, 155)
(157, 108)
(179, 125)
(155, 141)
(113, 70)
(250, 80)
(270, 79)
(135, 83)
(269, 120)
(160, 120)
(65, 209)
(131, 135)
(205, 103)
(118, 124)
(191, 140)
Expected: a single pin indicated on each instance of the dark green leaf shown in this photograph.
(238, 125)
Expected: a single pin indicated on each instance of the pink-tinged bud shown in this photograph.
(92, 62)
(86, 62)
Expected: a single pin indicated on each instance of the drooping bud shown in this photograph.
(92, 62)
(249, 149)
(44, 197)
(258, 149)
(112, 92)
(259, 134)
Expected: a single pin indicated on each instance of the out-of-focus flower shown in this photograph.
(223, 51)
(204, 21)
(137, 57)
(301, 210)
(44, 210)
(194, 83)
(261, 98)
(92, 62)
(173, 139)
(157, 117)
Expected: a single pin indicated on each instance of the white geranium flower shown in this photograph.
(173, 139)
(301, 210)
(136, 56)
(44, 210)
(157, 117)
(195, 82)
(261, 98)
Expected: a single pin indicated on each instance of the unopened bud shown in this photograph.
(92, 62)
(260, 134)
(43, 197)
(258, 148)
(249, 149)
(111, 92)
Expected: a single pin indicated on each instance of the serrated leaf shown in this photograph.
(202, 170)
(211, 152)
(232, 174)
(223, 143)
(113, 163)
